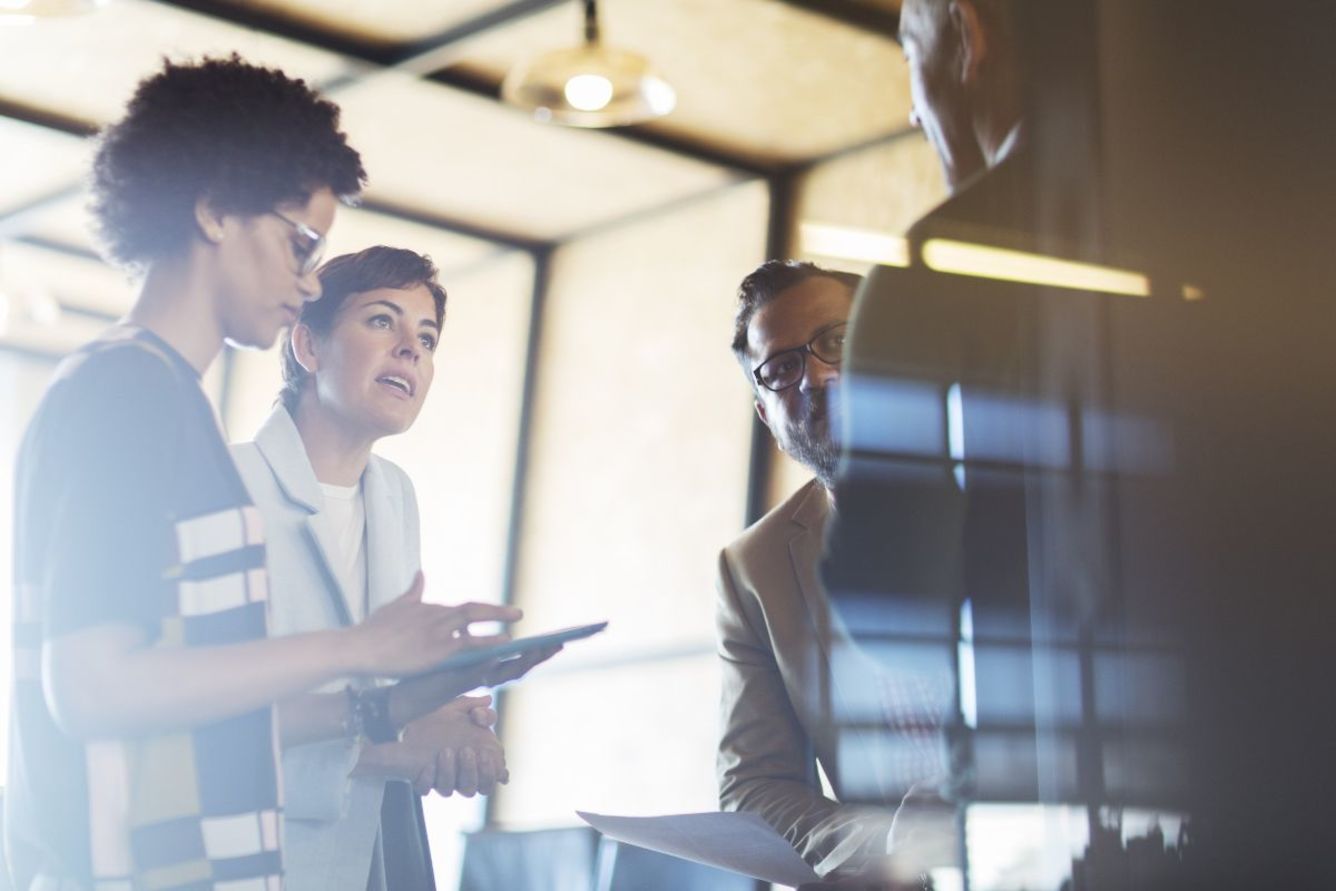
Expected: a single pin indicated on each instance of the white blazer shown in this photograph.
(331, 820)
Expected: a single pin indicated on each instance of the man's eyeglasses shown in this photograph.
(308, 245)
(783, 370)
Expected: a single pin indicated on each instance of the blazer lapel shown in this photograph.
(809, 520)
(842, 663)
(384, 536)
(281, 445)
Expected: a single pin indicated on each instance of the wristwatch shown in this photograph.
(369, 715)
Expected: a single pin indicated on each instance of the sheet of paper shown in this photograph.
(738, 842)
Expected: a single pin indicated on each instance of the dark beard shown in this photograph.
(813, 444)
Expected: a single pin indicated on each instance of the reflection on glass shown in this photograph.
(847, 243)
(1002, 264)
(979, 568)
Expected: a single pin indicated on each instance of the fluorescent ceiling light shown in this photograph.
(963, 258)
(863, 245)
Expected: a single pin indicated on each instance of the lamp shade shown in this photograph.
(589, 86)
(20, 11)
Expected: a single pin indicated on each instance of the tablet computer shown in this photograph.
(517, 647)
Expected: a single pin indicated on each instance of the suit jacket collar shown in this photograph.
(810, 514)
(811, 507)
(283, 450)
(385, 531)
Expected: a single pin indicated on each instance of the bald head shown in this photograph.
(965, 81)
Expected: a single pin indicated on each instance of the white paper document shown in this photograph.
(734, 841)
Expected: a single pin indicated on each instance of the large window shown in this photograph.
(637, 478)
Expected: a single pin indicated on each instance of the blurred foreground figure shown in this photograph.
(144, 751)
(1099, 490)
(965, 82)
(777, 638)
(966, 77)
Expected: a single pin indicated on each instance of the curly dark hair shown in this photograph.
(247, 137)
(341, 278)
(768, 281)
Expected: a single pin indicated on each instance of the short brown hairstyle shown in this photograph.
(341, 278)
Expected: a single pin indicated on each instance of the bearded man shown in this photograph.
(774, 624)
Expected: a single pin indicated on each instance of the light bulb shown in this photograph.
(588, 92)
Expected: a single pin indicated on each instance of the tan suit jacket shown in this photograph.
(776, 636)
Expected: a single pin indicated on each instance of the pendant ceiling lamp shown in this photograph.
(23, 12)
(591, 85)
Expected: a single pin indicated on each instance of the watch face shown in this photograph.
(369, 715)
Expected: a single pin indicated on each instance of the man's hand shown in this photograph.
(450, 750)
(923, 834)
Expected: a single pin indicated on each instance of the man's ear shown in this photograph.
(760, 413)
(303, 348)
(208, 219)
(971, 39)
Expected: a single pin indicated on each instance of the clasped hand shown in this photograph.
(451, 749)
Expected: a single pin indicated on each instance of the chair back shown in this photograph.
(538, 860)
(624, 867)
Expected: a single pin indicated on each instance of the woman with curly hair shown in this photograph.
(143, 726)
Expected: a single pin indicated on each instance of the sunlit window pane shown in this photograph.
(637, 478)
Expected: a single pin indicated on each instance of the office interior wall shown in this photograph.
(637, 477)
(883, 188)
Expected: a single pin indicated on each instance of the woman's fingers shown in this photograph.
(408, 636)
(446, 771)
(490, 766)
(466, 780)
(425, 780)
(464, 614)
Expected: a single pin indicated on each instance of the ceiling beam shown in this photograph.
(419, 56)
(17, 220)
(435, 52)
(371, 52)
(853, 13)
(10, 217)
(488, 88)
(255, 18)
(452, 224)
(60, 247)
(48, 120)
(13, 220)
(890, 136)
(428, 54)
